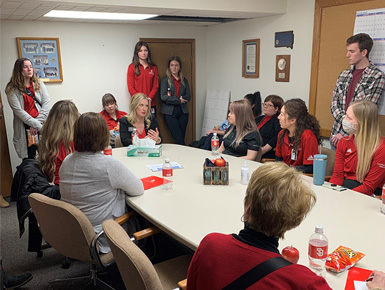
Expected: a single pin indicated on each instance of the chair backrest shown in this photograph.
(135, 268)
(331, 154)
(259, 155)
(118, 142)
(64, 227)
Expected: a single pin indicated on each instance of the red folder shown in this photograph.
(356, 274)
(153, 181)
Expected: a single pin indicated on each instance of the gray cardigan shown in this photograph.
(21, 117)
(170, 101)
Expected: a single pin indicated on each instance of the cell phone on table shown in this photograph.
(334, 186)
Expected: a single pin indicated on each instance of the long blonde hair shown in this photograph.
(367, 135)
(134, 103)
(244, 121)
(58, 128)
(16, 82)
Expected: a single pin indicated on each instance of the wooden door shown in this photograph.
(6, 172)
(161, 50)
(333, 24)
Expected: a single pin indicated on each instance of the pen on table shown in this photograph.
(370, 278)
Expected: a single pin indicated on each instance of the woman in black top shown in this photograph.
(268, 124)
(242, 138)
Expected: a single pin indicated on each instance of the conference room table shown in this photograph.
(191, 210)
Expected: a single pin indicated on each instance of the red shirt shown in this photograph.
(345, 166)
(59, 160)
(357, 74)
(220, 259)
(308, 147)
(177, 86)
(146, 83)
(29, 103)
(112, 123)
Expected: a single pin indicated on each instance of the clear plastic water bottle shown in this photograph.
(108, 151)
(318, 251)
(134, 137)
(383, 200)
(167, 174)
(214, 144)
(245, 174)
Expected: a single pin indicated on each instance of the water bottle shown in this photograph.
(167, 174)
(383, 200)
(108, 151)
(134, 137)
(318, 251)
(245, 174)
(168, 92)
(214, 144)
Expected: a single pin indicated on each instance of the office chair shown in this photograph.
(136, 269)
(70, 232)
(118, 142)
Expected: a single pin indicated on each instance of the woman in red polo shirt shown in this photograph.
(142, 74)
(57, 138)
(175, 94)
(300, 136)
(29, 101)
(112, 115)
(360, 157)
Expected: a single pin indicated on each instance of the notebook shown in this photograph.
(153, 181)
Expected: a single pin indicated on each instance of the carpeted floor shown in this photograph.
(17, 260)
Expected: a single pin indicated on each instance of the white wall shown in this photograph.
(224, 53)
(94, 58)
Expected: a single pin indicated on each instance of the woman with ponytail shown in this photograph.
(300, 136)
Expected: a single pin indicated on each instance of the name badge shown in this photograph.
(293, 154)
(152, 111)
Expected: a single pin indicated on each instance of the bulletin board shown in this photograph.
(333, 24)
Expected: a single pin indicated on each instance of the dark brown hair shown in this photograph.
(135, 58)
(277, 101)
(91, 133)
(108, 99)
(364, 42)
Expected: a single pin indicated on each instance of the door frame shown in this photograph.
(192, 82)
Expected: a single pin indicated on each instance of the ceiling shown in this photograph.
(182, 12)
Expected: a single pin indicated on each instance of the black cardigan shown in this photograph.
(269, 133)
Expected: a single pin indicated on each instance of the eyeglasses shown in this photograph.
(267, 105)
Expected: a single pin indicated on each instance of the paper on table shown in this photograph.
(158, 167)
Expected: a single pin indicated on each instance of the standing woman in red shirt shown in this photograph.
(29, 101)
(360, 156)
(142, 74)
(300, 136)
(57, 138)
(112, 115)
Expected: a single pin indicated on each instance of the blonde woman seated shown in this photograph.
(95, 183)
(139, 118)
(242, 138)
(360, 157)
(57, 139)
(269, 212)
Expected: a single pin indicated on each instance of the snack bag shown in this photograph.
(342, 258)
(32, 139)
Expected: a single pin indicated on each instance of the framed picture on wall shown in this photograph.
(45, 56)
(250, 58)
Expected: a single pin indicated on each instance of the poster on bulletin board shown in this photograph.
(44, 54)
(372, 22)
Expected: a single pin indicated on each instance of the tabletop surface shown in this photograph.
(192, 210)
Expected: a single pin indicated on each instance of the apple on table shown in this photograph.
(291, 254)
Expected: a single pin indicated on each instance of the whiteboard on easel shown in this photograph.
(372, 22)
(217, 105)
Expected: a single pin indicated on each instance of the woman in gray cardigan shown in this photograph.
(29, 101)
(175, 94)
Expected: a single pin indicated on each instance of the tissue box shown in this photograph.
(216, 175)
(133, 151)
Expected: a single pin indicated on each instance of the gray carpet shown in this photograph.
(17, 260)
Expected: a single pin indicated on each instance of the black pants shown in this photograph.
(31, 149)
(177, 124)
(351, 184)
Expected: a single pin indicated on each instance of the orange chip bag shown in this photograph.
(342, 258)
